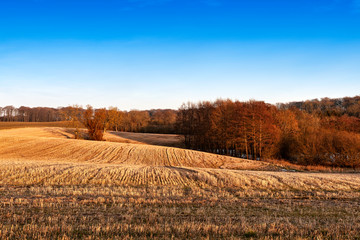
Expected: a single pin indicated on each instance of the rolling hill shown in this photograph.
(56, 144)
(50, 156)
(55, 187)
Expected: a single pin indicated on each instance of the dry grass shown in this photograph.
(54, 173)
(90, 201)
(287, 166)
(170, 212)
(9, 125)
(54, 187)
(153, 212)
(170, 140)
(54, 144)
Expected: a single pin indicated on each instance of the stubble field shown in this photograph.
(56, 187)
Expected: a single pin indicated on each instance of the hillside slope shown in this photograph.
(48, 173)
(49, 157)
(56, 144)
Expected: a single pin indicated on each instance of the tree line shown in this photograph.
(155, 120)
(151, 121)
(318, 132)
(349, 106)
(257, 130)
(27, 114)
(97, 121)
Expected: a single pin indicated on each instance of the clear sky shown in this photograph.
(143, 54)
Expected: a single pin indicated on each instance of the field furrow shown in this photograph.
(54, 144)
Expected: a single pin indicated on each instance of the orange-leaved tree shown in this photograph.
(73, 115)
(95, 121)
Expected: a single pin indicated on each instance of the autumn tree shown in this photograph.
(288, 143)
(186, 124)
(9, 113)
(112, 118)
(228, 127)
(95, 120)
(74, 116)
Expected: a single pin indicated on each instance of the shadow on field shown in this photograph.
(168, 140)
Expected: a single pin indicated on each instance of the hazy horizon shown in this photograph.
(154, 108)
(158, 54)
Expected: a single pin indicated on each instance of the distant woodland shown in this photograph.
(155, 121)
(313, 132)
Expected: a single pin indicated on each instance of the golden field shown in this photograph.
(10, 125)
(55, 187)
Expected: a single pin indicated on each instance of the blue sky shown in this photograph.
(143, 54)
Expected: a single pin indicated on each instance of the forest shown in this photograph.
(256, 130)
(154, 121)
(314, 132)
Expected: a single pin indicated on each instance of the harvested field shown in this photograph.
(54, 144)
(56, 187)
(18, 172)
(42, 199)
(77, 212)
(9, 125)
(170, 140)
